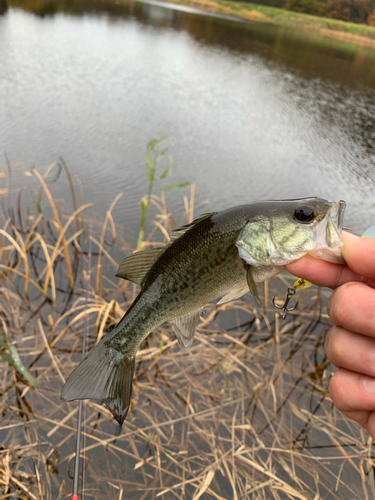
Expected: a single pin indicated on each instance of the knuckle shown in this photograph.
(338, 391)
(334, 345)
(328, 343)
(336, 305)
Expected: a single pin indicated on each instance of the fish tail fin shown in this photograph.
(105, 375)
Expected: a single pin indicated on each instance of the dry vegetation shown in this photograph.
(245, 414)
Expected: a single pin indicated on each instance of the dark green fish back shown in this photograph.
(200, 263)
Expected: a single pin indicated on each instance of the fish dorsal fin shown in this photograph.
(185, 327)
(235, 293)
(251, 284)
(135, 267)
(177, 233)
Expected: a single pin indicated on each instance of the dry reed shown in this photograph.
(245, 414)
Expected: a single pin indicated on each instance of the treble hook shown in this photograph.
(284, 307)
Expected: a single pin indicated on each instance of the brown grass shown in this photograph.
(244, 414)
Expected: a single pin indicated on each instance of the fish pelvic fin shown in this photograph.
(105, 375)
(234, 294)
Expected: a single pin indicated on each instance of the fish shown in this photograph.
(221, 255)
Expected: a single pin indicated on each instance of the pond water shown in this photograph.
(253, 111)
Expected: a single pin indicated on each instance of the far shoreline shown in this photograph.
(358, 34)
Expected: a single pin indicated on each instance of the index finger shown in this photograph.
(359, 255)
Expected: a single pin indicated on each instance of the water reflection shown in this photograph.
(257, 111)
(311, 54)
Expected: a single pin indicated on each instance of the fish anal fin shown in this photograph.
(235, 293)
(252, 285)
(135, 267)
(185, 327)
(105, 377)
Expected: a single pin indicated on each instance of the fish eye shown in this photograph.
(304, 214)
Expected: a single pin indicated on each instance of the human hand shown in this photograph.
(350, 345)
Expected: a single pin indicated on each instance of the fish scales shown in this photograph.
(195, 270)
(222, 254)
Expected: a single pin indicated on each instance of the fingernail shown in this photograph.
(369, 384)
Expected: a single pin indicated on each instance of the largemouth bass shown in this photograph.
(222, 254)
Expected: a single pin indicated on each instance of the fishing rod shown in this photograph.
(82, 404)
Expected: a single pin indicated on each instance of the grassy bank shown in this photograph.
(356, 33)
(245, 413)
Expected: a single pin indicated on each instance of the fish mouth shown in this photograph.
(329, 234)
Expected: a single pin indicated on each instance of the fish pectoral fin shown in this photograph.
(135, 267)
(100, 376)
(236, 293)
(185, 327)
(251, 284)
